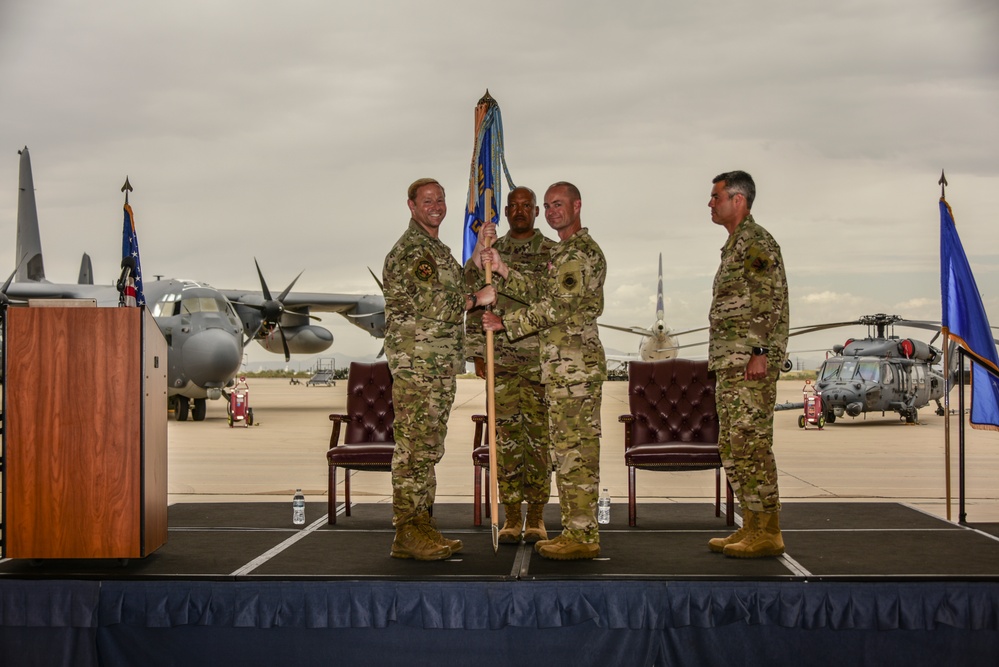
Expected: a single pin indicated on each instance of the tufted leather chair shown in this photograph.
(480, 469)
(673, 424)
(368, 440)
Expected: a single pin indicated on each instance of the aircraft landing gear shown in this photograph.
(200, 409)
(181, 407)
(911, 415)
(830, 417)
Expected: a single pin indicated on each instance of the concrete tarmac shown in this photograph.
(873, 459)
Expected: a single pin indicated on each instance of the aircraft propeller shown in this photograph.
(272, 309)
(4, 299)
(381, 352)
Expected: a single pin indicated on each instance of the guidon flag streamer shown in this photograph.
(484, 183)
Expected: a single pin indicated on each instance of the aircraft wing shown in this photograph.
(318, 301)
(366, 311)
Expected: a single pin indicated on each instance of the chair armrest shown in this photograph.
(479, 420)
(337, 420)
(627, 420)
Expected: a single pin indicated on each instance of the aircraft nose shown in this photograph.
(211, 358)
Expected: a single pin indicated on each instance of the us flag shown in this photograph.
(131, 294)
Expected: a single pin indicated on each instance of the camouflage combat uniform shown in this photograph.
(749, 308)
(523, 449)
(563, 312)
(424, 344)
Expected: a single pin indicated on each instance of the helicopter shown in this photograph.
(881, 372)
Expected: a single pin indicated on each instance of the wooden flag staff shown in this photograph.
(491, 414)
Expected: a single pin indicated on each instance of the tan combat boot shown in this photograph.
(564, 547)
(411, 541)
(510, 532)
(429, 527)
(718, 544)
(765, 540)
(535, 529)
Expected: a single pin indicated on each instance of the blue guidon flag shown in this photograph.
(131, 292)
(484, 184)
(964, 316)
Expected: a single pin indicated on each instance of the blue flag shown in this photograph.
(964, 316)
(484, 184)
(131, 290)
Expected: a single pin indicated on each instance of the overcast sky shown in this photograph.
(289, 132)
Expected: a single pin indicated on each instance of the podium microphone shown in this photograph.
(127, 269)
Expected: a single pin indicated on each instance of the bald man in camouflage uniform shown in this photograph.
(563, 312)
(523, 448)
(425, 304)
(747, 343)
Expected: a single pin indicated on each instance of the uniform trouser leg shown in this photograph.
(523, 450)
(745, 439)
(422, 407)
(574, 418)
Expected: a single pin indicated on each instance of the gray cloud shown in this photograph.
(289, 132)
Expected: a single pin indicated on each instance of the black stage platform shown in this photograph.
(861, 583)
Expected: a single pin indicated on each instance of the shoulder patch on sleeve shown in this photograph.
(757, 260)
(570, 278)
(425, 269)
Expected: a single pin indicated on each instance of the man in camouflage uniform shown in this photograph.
(523, 449)
(563, 312)
(425, 304)
(747, 343)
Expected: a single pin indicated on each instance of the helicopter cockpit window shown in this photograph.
(869, 371)
(848, 369)
(887, 374)
(830, 370)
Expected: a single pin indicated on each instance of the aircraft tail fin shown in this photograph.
(86, 271)
(29, 243)
(660, 310)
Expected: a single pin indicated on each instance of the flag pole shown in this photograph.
(491, 415)
(484, 192)
(946, 364)
(945, 333)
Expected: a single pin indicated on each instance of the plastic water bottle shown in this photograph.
(603, 507)
(298, 508)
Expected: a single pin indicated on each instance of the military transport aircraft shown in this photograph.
(203, 326)
(658, 341)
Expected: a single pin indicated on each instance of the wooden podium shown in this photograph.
(85, 433)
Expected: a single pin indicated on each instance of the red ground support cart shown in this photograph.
(239, 408)
(813, 407)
